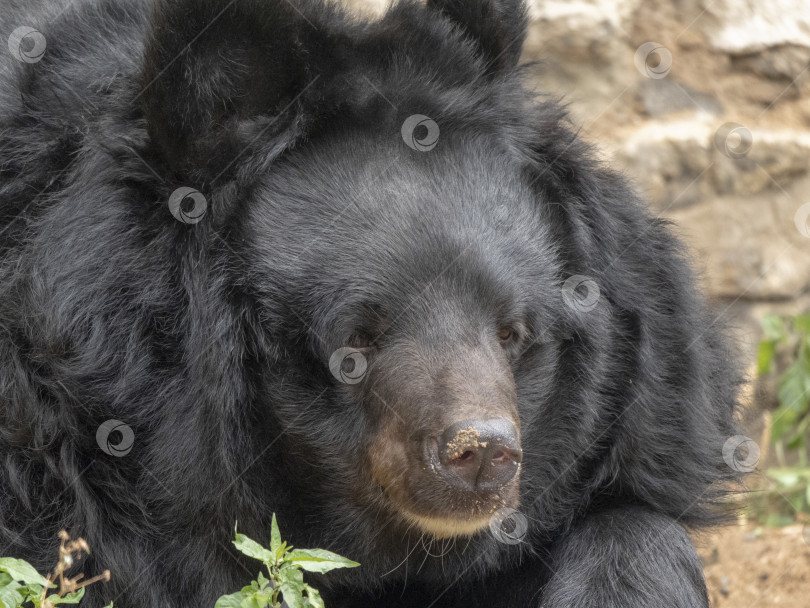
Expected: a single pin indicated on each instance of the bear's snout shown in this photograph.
(476, 455)
(447, 451)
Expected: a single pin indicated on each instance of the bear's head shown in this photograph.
(392, 248)
(443, 305)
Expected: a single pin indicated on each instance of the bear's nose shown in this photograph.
(479, 454)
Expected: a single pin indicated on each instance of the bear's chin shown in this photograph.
(447, 527)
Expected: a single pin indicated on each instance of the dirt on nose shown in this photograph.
(464, 439)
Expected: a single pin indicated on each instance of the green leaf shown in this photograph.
(793, 389)
(22, 571)
(787, 478)
(314, 597)
(775, 520)
(70, 598)
(318, 560)
(799, 437)
(10, 597)
(34, 594)
(265, 596)
(275, 535)
(253, 549)
(281, 551)
(234, 600)
(251, 588)
(255, 601)
(110, 605)
(291, 583)
(795, 442)
(765, 356)
(802, 323)
(774, 327)
(782, 420)
(251, 596)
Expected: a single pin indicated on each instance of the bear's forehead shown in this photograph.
(383, 220)
(465, 182)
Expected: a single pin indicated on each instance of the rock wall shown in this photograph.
(705, 104)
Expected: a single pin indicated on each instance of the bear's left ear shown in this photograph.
(498, 27)
(222, 78)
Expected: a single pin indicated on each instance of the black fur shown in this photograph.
(211, 341)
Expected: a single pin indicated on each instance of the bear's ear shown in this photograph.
(222, 78)
(497, 26)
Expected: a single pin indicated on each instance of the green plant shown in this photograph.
(21, 584)
(791, 420)
(789, 338)
(285, 567)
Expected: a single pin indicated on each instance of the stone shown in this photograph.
(775, 159)
(782, 63)
(589, 19)
(749, 247)
(667, 160)
(667, 95)
(748, 26)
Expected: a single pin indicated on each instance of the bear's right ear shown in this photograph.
(222, 77)
(498, 27)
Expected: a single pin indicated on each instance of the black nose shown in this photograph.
(479, 454)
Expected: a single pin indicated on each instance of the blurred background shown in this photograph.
(705, 104)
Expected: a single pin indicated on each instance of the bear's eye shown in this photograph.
(370, 326)
(507, 334)
(362, 340)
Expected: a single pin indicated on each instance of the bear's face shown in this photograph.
(408, 303)
(410, 292)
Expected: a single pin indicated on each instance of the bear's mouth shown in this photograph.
(446, 527)
(431, 509)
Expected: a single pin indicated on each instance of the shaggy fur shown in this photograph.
(212, 340)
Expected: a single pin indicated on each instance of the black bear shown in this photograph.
(258, 257)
